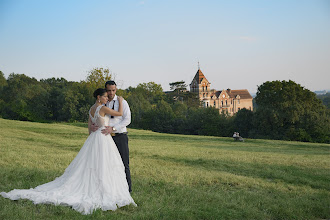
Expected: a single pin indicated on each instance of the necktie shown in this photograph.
(113, 107)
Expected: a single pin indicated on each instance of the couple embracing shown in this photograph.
(99, 176)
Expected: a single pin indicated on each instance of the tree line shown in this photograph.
(285, 110)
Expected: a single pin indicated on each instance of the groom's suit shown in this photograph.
(120, 134)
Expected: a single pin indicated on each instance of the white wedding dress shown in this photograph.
(94, 179)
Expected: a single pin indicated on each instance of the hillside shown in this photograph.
(175, 176)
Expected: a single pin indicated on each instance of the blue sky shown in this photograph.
(239, 43)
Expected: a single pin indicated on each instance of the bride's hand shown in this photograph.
(120, 98)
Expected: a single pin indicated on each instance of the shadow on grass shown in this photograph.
(76, 124)
(284, 149)
(52, 144)
(312, 177)
(250, 145)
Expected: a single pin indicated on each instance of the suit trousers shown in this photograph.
(121, 141)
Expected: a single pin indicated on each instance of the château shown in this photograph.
(227, 101)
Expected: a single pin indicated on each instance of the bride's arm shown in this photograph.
(112, 112)
(89, 125)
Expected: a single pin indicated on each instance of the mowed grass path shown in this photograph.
(175, 176)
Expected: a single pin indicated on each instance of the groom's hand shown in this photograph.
(107, 130)
(94, 127)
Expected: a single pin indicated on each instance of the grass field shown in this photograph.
(175, 176)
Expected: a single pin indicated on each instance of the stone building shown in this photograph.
(227, 101)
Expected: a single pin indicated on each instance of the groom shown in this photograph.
(117, 127)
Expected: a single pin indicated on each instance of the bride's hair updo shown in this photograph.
(99, 91)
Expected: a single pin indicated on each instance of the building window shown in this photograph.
(203, 88)
(226, 102)
(231, 101)
(206, 88)
(239, 109)
(238, 101)
(250, 108)
(207, 104)
(214, 104)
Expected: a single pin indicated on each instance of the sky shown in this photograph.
(239, 44)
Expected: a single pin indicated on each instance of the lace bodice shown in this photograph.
(98, 119)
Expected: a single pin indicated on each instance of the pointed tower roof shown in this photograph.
(199, 76)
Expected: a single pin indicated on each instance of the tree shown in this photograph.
(151, 91)
(180, 85)
(203, 121)
(191, 99)
(57, 88)
(18, 95)
(178, 88)
(139, 105)
(180, 111)
(179, 93)
(97, 77)
(55, 82)
(3, 81)
(243, 122)
(286, 110)
(159, 118)
(78, 98)
(3, 84)
(325, 99)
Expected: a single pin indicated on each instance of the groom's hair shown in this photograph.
(110, 83)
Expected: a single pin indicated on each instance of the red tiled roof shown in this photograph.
(243, 93)
(199, 76)
(217, 93)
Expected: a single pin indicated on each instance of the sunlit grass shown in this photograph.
(175, 176)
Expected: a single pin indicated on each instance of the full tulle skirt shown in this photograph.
(95, 179)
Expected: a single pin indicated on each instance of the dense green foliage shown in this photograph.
(325, 98)
(174, 176)
(53, 99)
(285, 110)
(288, 111)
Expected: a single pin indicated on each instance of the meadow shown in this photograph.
(174, 176)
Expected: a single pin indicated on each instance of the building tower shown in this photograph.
(201, 85)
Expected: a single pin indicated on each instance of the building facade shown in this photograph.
(227, 101)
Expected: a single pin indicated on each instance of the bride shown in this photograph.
(95, 178)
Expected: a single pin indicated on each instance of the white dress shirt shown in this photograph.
(119, 122)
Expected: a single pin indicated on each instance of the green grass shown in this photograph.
(175, 176)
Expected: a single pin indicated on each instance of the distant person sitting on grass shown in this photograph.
(237, 137)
